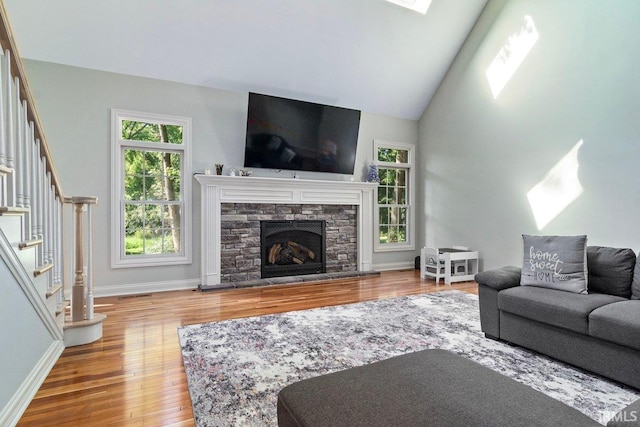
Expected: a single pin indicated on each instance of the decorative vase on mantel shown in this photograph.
(372, 175)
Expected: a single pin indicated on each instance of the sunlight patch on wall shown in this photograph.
(511, 55)
(557, 190)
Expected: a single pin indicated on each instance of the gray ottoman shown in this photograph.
(426, 388)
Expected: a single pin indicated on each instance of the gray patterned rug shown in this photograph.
(235, 368)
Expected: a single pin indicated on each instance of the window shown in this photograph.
(394, 221)
(151, 185)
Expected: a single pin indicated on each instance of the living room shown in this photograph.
(479, 155)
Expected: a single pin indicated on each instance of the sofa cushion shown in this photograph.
(552, 307)
(556, 262)
(618, 323)
(610, 270)
(635, 286)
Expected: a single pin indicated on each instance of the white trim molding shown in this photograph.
(216, 190)
(400, 265)
(145, 287)
(118, 145)
(410, 195)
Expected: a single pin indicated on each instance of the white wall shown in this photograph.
(479, 156)
(74, 105)
(27, 347)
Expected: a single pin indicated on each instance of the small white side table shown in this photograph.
(472, 265)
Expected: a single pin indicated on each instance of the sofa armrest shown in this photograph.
(501, 278)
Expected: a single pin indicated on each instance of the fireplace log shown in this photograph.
(288, 253)
(299, 250)
(273, 253)
(284, 255)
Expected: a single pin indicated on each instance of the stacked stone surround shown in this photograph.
(240, 236)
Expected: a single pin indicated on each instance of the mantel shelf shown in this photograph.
(244, 181)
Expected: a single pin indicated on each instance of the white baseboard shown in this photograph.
(177, 285)
(402, 265)
(144, 288)
(11, 413)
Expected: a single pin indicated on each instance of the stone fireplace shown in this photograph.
(292, 248)
(233, 209)
(242, 251)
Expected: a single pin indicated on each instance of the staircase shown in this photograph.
(34, 291)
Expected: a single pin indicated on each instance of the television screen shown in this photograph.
(296, 135)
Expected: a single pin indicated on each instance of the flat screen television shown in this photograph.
(297, 135)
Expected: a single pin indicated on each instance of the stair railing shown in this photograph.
(29, 183)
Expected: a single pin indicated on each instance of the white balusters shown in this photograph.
(59, 252)
(89, 297)
(7, 118)
(35, 179)
(18, 142)
(3, 137)
(50, 226)
(42, 172)
(25, 165)
(3, 144)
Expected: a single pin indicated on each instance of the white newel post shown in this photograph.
(216, 189)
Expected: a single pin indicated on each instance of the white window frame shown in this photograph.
(118, 145)
(409, 167)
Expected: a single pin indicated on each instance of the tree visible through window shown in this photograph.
(394, 197)
(150, 193)
(152, 190)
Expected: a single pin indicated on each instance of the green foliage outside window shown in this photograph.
(152, 212)
(392, 196)
(392, 155)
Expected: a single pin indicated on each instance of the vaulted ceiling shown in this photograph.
(365, 54)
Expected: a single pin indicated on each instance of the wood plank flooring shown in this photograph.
(134, 376)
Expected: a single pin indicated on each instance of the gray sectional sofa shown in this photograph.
(598, 331)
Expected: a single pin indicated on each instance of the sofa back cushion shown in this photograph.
(635, 287)
(556, 262)
(610, 270)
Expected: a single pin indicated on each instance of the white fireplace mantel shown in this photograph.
(216, 190)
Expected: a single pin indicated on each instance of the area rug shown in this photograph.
(235, 368)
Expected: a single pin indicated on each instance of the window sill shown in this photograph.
(150, 261)
(397, 247)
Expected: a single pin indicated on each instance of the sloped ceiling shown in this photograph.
(365, 54)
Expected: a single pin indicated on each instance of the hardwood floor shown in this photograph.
(134, 376)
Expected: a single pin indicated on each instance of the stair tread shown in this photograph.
(29, 243)
(97, 318)
(62, 307)
(42, 269)
(12, 210)
(54, 290)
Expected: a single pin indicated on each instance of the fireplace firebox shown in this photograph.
(292, 248)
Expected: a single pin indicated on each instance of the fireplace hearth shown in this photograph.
(292, 248)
